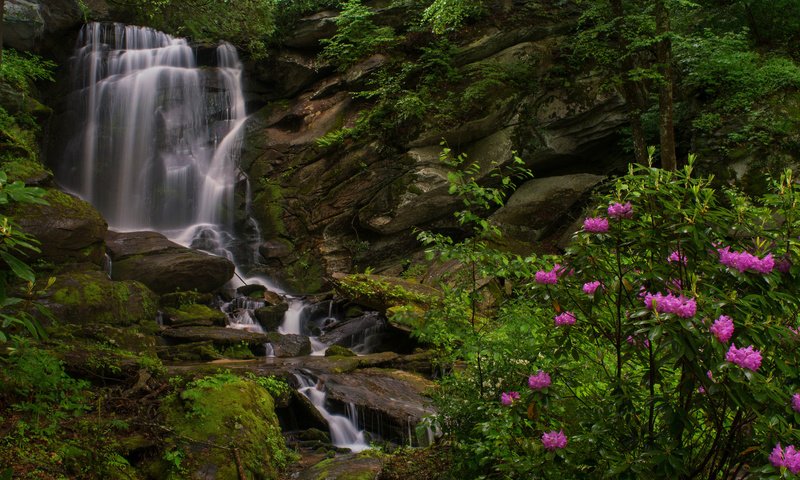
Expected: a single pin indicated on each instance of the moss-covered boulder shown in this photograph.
(91, 298)
(70, 230)
(165, 266)
(271, 316)
(224, 427)
(193, 315)
(339, 351)
(357, 466)
(380, 292)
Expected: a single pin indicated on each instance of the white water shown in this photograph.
(344, 432)
(161, 139)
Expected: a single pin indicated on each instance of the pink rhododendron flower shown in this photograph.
(748, 358)
(796, 402)
(722, 328)
(618, 210)
(546, 278)
(677, 257)
(566, 318)
(595, 225)
(554, 440)
(789, 458)
(710, 375)
(679, 305)
(590, 287)
(507, 398)
(539, 381)
(744, 261)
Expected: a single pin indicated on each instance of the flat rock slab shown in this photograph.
(218, 335)
(344, 467)
(165, 266)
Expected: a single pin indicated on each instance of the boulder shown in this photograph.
(25, 22)
(353, 466)
(238, 437)
(536, 206)
(270, 317)
(283, 74)
(389, 401)
(289, 345)
(164, 266)
(193, 315)
(90, 297)
(69, 229)
(308, 31)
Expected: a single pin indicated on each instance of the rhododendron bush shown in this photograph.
(663, 342)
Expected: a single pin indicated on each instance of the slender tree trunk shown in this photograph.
(634, 99)
(2, 10)
(665, 102)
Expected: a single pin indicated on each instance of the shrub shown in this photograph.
(647, 378)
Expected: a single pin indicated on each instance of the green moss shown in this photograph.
(26, 170)
(339, 351)
(215, 415)
(194, 314)
(268, 208)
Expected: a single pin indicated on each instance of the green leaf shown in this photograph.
(20, 268)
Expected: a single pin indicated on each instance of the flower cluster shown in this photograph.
(744, 261)
(554, 440)
(722, 328)
(796, 402)
(507, 398)
(566, 318)
(540, 381)
(789, 458)
(618, 210)
(677, 257)
(551, 277)
(678, 304)
(590, 287)
(748, 358)
(595, 225)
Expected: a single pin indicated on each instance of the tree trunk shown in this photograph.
(634, 99)
(2, 10)
(665, 103)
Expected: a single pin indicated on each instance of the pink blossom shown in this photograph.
(595, 225)
(710, 375)
(701, 389)
(590, 287)
(540, 381)
(554, 440)
(677, 257)
(507, 398)
(566, 318)
(546, 278)
(748, 358)
(743, 261)
(796, 402)
(618, 210)
(722, 328)
(679, 305)
(789, 458)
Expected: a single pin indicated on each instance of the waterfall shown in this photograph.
(344, 431)
(159, 143)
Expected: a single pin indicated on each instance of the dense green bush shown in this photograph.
(623, 344)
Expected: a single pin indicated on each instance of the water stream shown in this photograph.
(155, 146)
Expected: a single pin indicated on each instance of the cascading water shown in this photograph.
(344, 432)
(160, 138)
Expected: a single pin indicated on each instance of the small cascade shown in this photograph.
(369, 338)
(344, 430)
(240, 314)
(295, 318)
(269, 350)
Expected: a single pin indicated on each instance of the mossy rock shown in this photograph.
(69, 229)
(27, 170)
(362, 466)
(339, 351)
(140, 339)
(194, 315)
(223, 424)
(90, 298)
(178, 299)
(189, 352)
(271, 316)
(381, 292)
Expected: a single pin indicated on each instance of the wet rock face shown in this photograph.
(359, 204)
(165, 266)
